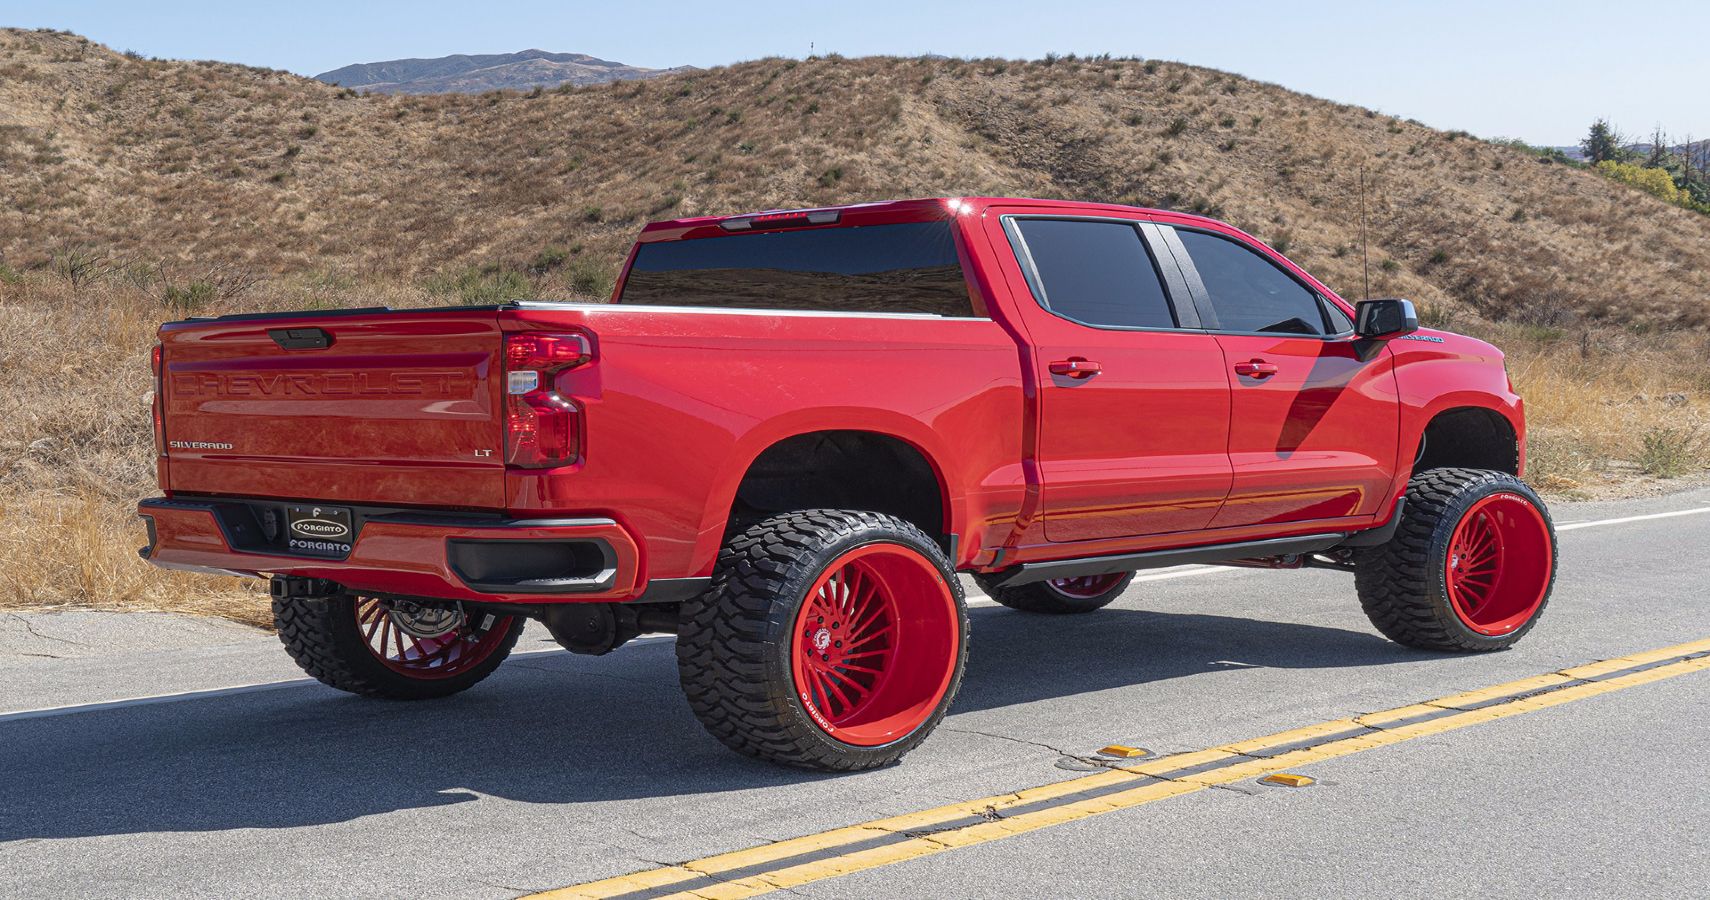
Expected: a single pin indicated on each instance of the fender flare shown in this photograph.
(748, 447)
(1415, 420)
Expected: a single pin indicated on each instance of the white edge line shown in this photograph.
(1574, 526)
(207, 693)
(151, 699)
(976, 598)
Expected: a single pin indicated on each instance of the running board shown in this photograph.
(1028, 573)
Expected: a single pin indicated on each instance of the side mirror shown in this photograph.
(1385, 318)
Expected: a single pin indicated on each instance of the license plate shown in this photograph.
(319, 530)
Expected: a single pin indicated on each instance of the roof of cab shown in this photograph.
(947, 205)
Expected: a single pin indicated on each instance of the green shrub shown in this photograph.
(548, 259)
(590, 280)
(1668, 452)
(1432, 315)
(482, 285)
(1656, 182)
(191, 297)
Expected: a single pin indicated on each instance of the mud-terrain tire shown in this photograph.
(1470, 567)
(792, 655)
(335, 640)
(1059, 596)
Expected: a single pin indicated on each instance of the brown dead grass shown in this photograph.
(187, 167)
(138, 190)
(1594, 403)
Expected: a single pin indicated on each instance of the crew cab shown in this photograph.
(788, 432)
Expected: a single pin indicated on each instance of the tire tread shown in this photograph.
(726, 652)
(321, 635)
(1395, 580)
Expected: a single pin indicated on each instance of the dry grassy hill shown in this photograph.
(135, 190)
(205, 163)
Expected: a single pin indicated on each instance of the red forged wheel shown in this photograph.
(1468, 568)
(428, 642)
(1497, 570)
(395, 648)
(1086, 587)
(875, 645)
(830, 639)
(1058, 596)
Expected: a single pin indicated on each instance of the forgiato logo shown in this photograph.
(319, 528)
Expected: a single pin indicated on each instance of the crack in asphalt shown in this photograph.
(1089, 760)
(31, 628)
(521, 891)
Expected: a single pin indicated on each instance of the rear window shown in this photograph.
(903, 268)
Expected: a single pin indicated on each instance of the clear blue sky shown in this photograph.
(1539, 71)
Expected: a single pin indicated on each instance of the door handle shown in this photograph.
(1076, 367)
(1256, 368)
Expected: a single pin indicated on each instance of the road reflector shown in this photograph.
(1287, 779)
(1121, 752)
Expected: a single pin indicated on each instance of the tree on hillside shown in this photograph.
(1604, 144)
(1658, 158)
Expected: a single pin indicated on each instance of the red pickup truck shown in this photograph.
(789, 431)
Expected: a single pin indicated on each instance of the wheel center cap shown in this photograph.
(822, 639)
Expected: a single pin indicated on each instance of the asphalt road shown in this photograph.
(561, 770)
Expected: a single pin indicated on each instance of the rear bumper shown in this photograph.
(411, 553)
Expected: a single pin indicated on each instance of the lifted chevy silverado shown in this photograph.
(789, 431)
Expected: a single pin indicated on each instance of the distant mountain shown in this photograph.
(466, 74)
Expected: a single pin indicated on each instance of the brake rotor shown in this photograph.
(420, 621)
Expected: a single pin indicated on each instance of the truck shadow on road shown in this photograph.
(551, 729)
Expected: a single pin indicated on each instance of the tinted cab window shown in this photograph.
(1248, 292)
(908, 267)
(1096, 273)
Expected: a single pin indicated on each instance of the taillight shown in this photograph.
(542, 428)
(158, 406)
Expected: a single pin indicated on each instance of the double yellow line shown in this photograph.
(882, 842)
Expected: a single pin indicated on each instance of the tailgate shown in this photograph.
(382, 407)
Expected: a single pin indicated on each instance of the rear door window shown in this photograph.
(1096, 273)
(908, 267)
(1248, 292)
